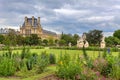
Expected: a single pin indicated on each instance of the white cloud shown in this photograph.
(70, 16)
(97, 18)
(106, 34)
(69, 12)
(2, 21)
(116, 7)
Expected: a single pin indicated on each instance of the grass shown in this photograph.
(50, 69)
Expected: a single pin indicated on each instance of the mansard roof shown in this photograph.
(29, 20)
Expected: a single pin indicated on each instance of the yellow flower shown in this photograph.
(61, 62)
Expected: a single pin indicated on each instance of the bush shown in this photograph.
(42, 62)
(25, 53)
(52, 59)
(68, 68)
(7, 67)
(115, 73)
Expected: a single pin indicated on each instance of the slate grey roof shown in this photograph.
(30, 21)
(49, 32)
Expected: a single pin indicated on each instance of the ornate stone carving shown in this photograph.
(102, 43)
(82, 42)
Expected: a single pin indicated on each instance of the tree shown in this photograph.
(27, 40)
(62, 42)
(112, 41)
(2, 38)
(67, 38)
(51, 41)
(10, 38)
(45, 41)
(20, 40)
(75, 38)
(117, 34)
(34, 39)
(94, 37)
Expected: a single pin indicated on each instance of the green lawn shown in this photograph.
(57, 52)
(50, 69)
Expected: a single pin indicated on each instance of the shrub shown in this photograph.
(52, 59)
(42, 62)
(25, 53)
(104, 53)
(85, 54)
(29, 64)
(7, 67)
(115, 73)
(68, 68)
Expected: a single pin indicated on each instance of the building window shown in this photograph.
(28, 32)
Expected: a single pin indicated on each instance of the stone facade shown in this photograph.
(33, 26)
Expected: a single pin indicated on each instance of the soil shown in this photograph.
(51, 77)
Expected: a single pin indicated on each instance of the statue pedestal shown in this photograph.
(102, 45)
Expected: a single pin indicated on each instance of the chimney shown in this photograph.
(25, 20)
(32, 20)
(38, 20)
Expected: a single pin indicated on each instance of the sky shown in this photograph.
(67, 16)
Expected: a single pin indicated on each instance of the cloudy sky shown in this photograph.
(68, 16)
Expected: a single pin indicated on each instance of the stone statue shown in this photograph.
(86, 44)
(69, 44)
(82, 42)
(102, 43)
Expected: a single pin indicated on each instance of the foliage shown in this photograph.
(52, 58)
(42, 62)
(51, 41)
(2, 38)
(45, 41)
(117, 34)
(94, 37)
(20, 40)
(116, 70)
(85, 54)
(25, 53)
(7, 64)
(7, 67)
(112, 41)
(66, 69)
(67, 38)
(62, 42)
(34, 39)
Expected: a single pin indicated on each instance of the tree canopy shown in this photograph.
(117, 34)
(94, 37)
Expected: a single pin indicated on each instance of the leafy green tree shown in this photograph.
(10, 38)
(51, 41)
(40, 41)
(20, 40)
(67, 38)
(62, 42)
(112, 41)
(45, 41)
(2, 38)
(117, 34)
(75, 38)
(34, 39)
(27, 40)
(94, 37)
(56, 41)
